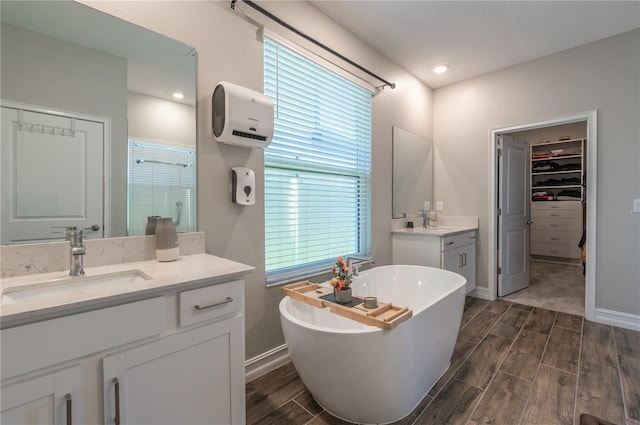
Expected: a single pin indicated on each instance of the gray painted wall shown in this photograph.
(229, 49)
(604, 75)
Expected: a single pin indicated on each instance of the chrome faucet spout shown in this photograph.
(354, 263)
(78, 249)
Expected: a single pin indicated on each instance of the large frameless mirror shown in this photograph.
(92, 135)
(412, 172)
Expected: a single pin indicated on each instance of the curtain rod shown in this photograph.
(313, 40)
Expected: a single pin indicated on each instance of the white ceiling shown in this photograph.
(477, 37)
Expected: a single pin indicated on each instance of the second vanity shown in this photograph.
(167, 349)
(450, 246)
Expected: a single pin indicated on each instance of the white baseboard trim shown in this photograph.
(480, 293)
(265, 362)
(617, 318)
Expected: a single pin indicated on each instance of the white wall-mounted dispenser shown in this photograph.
(243, 186)
(241, 116)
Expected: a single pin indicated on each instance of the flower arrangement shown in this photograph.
(341, 275)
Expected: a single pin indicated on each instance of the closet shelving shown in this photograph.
(558, 171)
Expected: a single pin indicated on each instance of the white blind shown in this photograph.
(317, 168)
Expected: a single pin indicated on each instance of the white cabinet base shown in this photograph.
(456, 253)
(53, 398)
(182, 379)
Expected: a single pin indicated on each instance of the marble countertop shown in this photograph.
(190, 271)
(436, 231)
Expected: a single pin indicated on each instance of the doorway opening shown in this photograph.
(542, 211)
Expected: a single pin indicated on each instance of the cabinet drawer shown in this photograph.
(555, 250)
(556, 205)
(556, 213)
(550, 236)
(455, 241)
(562, 224)
(211, 302)
(41, 344)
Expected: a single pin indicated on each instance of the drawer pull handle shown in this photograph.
(213, 304)
(555, 238)
(450, 243)
(555, 225)
(555, 214)
(554, 251)
(472, 237)
(68, 403)
(555, 206)
(116, 386)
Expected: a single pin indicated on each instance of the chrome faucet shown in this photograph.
(76, 239)
(429, 219)
(354, 264)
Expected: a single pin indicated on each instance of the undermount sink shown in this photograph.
(71, 286)
(430, 229)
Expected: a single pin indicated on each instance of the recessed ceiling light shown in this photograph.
(440, 69)
(178, 95)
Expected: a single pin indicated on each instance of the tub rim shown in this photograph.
(282, 305)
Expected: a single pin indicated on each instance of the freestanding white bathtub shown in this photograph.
(367, 375)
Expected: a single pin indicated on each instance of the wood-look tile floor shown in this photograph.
(512, 365)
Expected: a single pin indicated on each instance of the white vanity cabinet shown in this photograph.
(175, 358)
(454, 251)
(44, 361)
(190, 377)
(458, 254)
(51, 398)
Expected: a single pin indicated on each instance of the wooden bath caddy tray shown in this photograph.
(385, 316)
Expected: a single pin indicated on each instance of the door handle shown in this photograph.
(116, 387)
(94, 227)
(67, 399)
(213, 304)
(529, 222)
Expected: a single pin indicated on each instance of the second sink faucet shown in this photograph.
(78, 249)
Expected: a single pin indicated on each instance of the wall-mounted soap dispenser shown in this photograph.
(243, 185)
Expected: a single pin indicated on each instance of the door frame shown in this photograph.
(591, 117)
(106, 147)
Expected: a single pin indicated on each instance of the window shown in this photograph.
(161, 181)
(317, 168)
